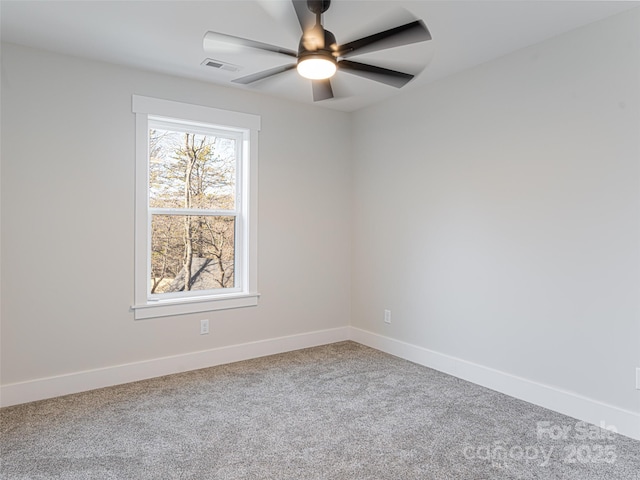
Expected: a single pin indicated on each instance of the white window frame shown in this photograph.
(245, 293)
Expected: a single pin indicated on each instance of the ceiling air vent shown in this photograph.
(229, 67)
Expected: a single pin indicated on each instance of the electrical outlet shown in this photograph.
(204, 326)
(638, 378)
(387, 316)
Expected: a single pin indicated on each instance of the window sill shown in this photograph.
(165, 308)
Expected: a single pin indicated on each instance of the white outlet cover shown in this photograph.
(638, 378)
(204, 327)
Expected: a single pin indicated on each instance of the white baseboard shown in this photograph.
(582, 408)
(576, 406)
(39, 389)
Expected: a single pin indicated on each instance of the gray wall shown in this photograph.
(496, 213)
(68, 213)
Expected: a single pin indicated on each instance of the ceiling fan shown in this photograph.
(319, 56)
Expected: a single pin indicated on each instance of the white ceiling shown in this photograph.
(166, 36)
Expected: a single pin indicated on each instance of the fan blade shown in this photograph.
(264, 74)
(212, 40)
(379, 74)
(321, 90)
(306, 19)
(403, 35)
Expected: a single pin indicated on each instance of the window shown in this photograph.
(195, 208)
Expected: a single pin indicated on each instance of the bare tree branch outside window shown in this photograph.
(189, 171)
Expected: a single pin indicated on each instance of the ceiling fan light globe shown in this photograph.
(316, 68)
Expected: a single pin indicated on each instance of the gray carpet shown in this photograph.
(341, 411)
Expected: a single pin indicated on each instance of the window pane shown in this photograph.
(188, 170)
(192, 253)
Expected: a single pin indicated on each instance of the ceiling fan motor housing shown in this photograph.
(325, 52)
(316, 59)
